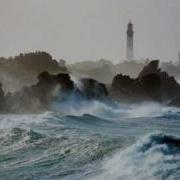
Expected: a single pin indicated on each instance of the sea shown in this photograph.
(92, 140)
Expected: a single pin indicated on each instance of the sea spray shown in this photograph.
(78, 84)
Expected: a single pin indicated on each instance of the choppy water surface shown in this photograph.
(92, 140)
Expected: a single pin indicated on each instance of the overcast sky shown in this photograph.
(90, 29)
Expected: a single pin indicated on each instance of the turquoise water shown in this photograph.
(92, 140)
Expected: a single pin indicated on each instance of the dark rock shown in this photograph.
(92, 89)
(151, 68)
(39, 97)
(51, 88)
(61, 79)
(151, 85)
(122, 87)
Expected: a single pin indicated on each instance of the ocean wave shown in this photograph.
(24, 149)
(17, 139)
(78, 139)
(153, 157)
(112, 110)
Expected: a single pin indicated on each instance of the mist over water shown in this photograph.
(92, 140)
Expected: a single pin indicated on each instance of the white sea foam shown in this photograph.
(113, 110)
(154, 157)
(150, 110)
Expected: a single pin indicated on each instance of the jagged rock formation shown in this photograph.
(152, 84)
(92, 89)
(151, 68)
(39, 97)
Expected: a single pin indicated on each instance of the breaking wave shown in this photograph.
(92, 140)
(153, 157)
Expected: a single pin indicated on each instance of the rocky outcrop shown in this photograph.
(152, 84)
(92, 89)
(38, 97)
(151, 68)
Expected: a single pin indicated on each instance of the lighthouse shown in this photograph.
(130, 36)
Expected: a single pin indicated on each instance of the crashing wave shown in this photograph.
(154, 157)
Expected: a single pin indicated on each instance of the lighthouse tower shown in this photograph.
(130, 35)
